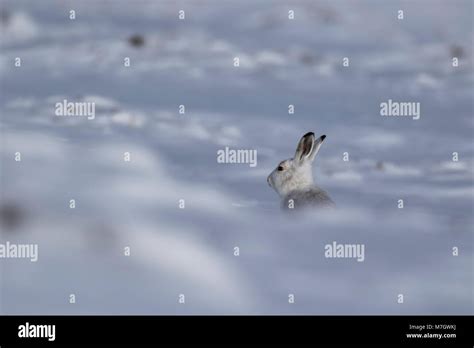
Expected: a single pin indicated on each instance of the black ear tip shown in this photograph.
(309, 134)
(323, 137)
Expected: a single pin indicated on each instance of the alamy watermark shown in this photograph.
(393, 108)
(28, 330)
(239, 156)
(347, 251)
(67, 108)
(19, 251)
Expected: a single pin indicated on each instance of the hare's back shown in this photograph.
(314, 197)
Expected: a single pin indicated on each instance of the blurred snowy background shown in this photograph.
(190, 251)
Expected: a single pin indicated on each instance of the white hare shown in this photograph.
(293, 178)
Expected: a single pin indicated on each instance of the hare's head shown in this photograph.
(296, 173)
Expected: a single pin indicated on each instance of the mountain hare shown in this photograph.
(293, 178)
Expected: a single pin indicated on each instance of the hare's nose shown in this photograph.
(268, 181)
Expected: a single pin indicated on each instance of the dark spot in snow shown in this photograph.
(136, 40)
(11, 215)
(456, 51)
(4, 17)
(380, 166)
(307, 59)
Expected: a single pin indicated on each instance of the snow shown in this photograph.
(173, 156)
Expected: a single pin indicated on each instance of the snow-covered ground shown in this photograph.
(190, 251)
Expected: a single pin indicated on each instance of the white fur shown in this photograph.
(295, 181)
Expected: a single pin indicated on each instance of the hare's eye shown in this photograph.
(280, 168)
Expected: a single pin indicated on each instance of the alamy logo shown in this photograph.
(67, 108)
(37, 331)
(237, 156)
(392, 108)
(348, 251)
(22, 251)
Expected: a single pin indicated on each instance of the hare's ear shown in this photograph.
(304, 148)
(308, 147)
